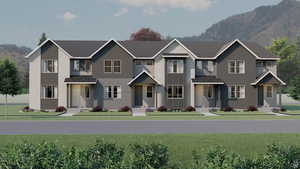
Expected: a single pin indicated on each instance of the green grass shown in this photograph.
(180, 145)
(15, 110)
(104, 114)
(292, 109)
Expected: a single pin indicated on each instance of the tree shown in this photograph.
(146, 34)
(9, 80)
(289, 64)
(43, 38)
(294, 91)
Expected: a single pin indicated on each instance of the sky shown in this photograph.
(23, 21)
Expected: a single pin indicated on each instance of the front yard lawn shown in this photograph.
(240, 113)
(16, 110)
(180, 146)
(174, 114)
(292, 109)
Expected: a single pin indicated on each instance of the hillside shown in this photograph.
(260, 25)
(16, 54)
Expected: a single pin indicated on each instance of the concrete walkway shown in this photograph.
(70, 112)
(138, 112)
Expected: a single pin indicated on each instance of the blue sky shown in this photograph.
(23, 21)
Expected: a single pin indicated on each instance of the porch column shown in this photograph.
(280, 96)
(219, 96)
(69, 95)
(193, 94)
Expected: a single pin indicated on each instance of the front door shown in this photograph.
(138, 96)
(76, 96)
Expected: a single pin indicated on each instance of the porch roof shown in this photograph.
(207, 80)
(143, 78)
(81, 80)
(268, 78)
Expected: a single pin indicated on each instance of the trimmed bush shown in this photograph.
(61, 109)
(283, 109)
(228, 109)
(97, 109)
(125, 109)
(190, 109)
(153, 156)
(162, 109)
(252, 108)
(27, 109)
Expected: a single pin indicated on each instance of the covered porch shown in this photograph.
(268, 87)
(80, 92)
(207, 92)
(144, 88)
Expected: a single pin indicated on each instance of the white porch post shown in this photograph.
(69, 95)
(219, 96)
(193, 94)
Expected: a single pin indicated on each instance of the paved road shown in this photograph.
(155, 127)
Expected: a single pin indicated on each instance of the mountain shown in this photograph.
(261, 25)
(17, 54)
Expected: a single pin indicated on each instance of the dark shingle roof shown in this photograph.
(81, 79)
(207, 79)
(147, 49)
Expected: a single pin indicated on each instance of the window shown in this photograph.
(112, 92)
(149, 91)
(149, 62)
(138, 62)
(87, 92)
(236, 67)
(175, 92)
(117, 66)
(49, 92)
(269, 91)
(237, 92)
(112, 66)
(210, 92)
(82, 66)
(50, 66)
(107, 66)
(175, 66)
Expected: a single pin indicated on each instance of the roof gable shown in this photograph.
(267, 78)
(143, 77)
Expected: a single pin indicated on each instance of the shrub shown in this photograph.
(104, 155)
(283, 109)
(228, 109)
(189, 109)
(252, 108)
(125, 109)
(153, 156)
(162, 109)
(97, 109)
(61, 109)
(27, 109)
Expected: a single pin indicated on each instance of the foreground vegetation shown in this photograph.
(180, 146)
(217, 151)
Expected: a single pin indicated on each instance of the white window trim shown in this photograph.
(112, 66)
(241, 92)
(44, 66)
(171, 63)
(235, 67)
(44, 92)
(106, 92)
(172, 98)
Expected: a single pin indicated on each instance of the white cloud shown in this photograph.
(154, 11)
(186, 4)
(69, 16)
(121, 12)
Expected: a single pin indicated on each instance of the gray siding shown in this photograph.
(176, 79)
(237, 52)
(49, 51)
(113, 51)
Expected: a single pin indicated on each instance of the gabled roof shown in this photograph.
(143, 76)
(261, 78)
(150, 49)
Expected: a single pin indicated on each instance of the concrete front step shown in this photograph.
(139, 112)
(71, 112)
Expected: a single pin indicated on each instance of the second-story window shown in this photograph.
(49, 66)
(236, 67)
(112, 66)
(175, 66)
(206, 65)
(237, 92)
(82, 66)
